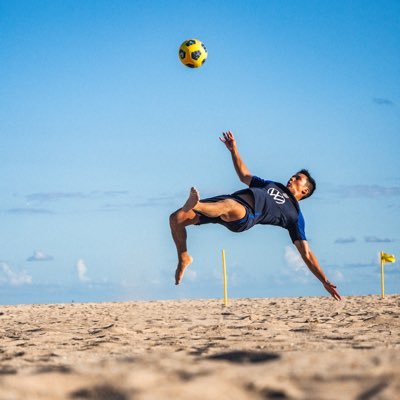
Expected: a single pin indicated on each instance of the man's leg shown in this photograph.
(178, 222)
(228, 210)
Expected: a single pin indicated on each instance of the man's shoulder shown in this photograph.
(256, 181)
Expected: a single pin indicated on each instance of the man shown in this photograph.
(264, 202)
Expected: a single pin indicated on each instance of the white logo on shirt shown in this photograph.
(277, 195)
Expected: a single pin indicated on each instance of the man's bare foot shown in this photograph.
(193, 199)
(180, 270)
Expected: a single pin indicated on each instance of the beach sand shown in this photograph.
(283, 348)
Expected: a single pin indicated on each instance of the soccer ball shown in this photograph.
(193, 53)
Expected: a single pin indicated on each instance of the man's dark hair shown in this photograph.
(310, 183)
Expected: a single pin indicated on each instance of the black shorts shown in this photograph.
(235, 226)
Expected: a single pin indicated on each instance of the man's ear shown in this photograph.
(305, 191)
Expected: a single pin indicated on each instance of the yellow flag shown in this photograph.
(387, 257)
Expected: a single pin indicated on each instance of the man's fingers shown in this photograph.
(335, 295)
(331, 289)
(227, 138)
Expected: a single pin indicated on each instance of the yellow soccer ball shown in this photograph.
(193, 53)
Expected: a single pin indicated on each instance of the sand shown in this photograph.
(290, 348)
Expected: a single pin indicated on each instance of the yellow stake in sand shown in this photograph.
(382, 276)
(225, 281)
(384, 257)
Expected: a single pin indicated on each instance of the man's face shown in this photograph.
(297, 185)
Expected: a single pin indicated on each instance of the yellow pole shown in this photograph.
(382, 277)
(225, 281)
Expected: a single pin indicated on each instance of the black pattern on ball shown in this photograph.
(204, 47)
(190, 42)
(196, 54)
(190, 65)
(182, 54)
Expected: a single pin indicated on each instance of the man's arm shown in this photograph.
(240, 167)
(313, 265)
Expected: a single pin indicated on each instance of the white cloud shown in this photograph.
(366, 191)
(57, 196)
(15, 278)
(191, 275)
(337, 276)
(345, 240)
(382, 101)
(82, 270)
(375, 239)
(39, 256)
(294, 260)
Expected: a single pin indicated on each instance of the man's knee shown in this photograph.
(180, 217)
(177, 217)
(173, 218)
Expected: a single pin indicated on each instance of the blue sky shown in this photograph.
(103, 131)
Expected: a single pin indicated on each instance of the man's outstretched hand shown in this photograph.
(229, 140)
(331, 288)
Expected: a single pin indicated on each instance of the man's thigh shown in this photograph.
(239, 225)
(235, 211)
